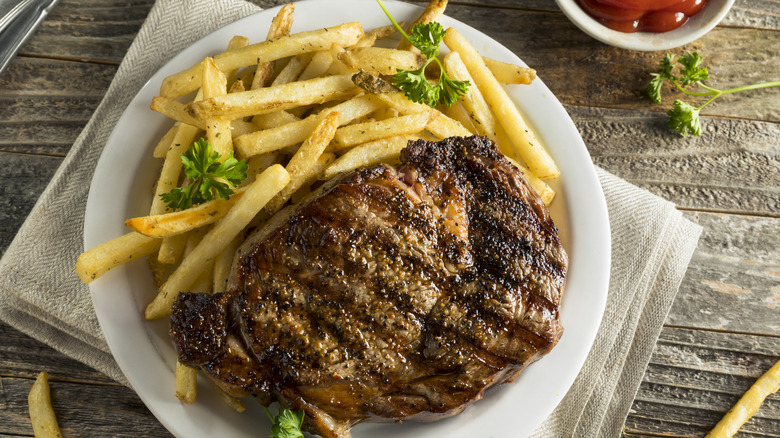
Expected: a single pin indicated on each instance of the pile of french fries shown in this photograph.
(289, 106)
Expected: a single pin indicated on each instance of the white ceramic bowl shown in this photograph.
(697, 26)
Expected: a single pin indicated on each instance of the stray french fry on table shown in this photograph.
(42, 417)
(748, 405)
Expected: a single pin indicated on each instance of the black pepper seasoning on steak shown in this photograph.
(391, 294)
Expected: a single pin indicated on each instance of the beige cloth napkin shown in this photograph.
(41, 296)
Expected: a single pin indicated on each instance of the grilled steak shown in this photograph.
(392, 293)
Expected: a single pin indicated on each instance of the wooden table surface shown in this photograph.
(724, 328)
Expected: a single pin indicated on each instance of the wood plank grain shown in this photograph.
(762, 14)
(695, 376)
(22, 179)
(24, 357)
(53, 77)
(82, 410)
(46, 109)
(733, 281)
(49, 138)
(45, 103)
(733, 167)
(89, 29)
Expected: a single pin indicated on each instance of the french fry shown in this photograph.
(186, 388)
(748, 405)
(223, 263)
(338, 67)
(242, 81)
(273, 120)
(160, 271)
(203, 281)
(386, 113)
(352, 135)
(171, 249)
(219, 134)
(319, 64)
(432, 12)
(274, 98)
(258, 164)
(440, 125)
(540, 187)
(165, 142)
(235, 43)
(97, 261)
(280, 26)
(458, 113)
(292, 133)
(303, 163)
(177, 222)
(42, 417)
(381, 60)
(322, 162)
(257, 195)
(232, 402)
(171, 169)
(240, 127)
(176, 111)
(188, 80)
(371, 37)
(475, 105)
(506, 73)
(293, 69)
(384, 150)
(218, 129)
(214, 82)
(507, 113)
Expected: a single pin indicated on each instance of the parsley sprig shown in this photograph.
(683, 117)
(426, 37)
(286, 424)
(207, 175)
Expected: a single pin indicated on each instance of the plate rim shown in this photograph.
(127, 365)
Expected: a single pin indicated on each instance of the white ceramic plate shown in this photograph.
(121, 189)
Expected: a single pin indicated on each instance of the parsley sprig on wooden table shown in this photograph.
(683, 117)
(207, 175)
(426, 37)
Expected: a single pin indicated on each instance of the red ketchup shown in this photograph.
(642, 15)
